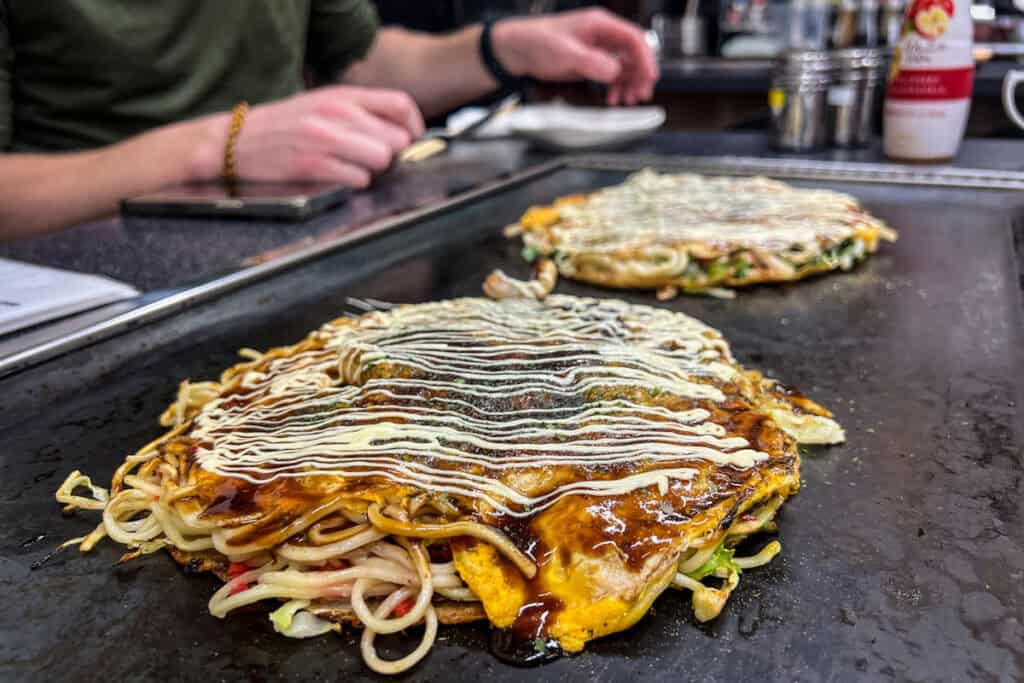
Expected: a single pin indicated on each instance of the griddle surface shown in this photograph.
(902, 555)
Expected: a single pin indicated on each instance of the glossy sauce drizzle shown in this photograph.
(465, 396)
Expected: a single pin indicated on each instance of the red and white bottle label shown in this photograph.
(932, 84)
(929, 93)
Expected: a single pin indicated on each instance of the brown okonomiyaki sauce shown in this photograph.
(636, 525)
(797, 400)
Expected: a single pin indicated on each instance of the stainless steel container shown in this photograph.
(679, 36)
(854, 96)
(798, 99)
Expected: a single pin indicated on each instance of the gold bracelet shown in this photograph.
(237, 119)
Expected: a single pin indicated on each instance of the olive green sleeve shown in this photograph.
(6, 62)
(340, 33)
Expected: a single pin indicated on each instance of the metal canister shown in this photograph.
(798, 99)
(854, 96)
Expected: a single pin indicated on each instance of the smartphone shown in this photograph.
(278, 201)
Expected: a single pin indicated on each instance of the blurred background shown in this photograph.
(717, 55)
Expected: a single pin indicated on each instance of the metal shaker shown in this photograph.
(854, 95)
(798, 99)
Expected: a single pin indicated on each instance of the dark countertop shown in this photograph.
(168, 253)
(165, 256)
(752, 76)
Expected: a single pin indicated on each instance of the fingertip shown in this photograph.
(398, 107)
(414, 117)
(360, 179)
(413, 124)
(416, 125)
(384, 161)
(614, 67)
(650, 63)
(405, 139)
(419, 127)
(598, 66)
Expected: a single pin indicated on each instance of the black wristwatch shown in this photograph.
(506, 81)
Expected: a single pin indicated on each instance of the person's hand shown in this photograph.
(340, 133)
(583, 44)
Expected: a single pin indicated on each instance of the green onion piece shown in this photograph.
(717, 270)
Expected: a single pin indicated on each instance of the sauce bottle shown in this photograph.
(930, 82)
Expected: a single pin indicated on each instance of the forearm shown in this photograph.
(41, 192)
(439, 72)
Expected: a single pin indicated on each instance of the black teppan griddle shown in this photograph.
(902, 555)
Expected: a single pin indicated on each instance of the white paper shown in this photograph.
(31, 294)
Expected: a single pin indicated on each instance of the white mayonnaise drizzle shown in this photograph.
(650, 209)
(463, 396)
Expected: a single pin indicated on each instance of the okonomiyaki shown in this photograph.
(699, 234)
(550, 466)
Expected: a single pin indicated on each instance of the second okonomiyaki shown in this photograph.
(699, 234)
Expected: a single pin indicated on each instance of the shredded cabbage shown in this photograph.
(147, 547)
(65, 494)
(289, 620)
(762, 558)
(720, 564)
(139, 549)
(708, 603)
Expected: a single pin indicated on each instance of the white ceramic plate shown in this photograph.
(571, 128)
(565, 127)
